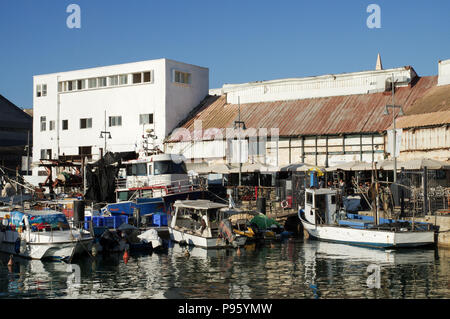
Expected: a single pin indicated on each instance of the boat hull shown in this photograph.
(58, 247)
(369, 237)
(205, 242)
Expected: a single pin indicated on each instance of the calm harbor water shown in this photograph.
(294, 268)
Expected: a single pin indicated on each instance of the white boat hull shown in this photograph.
(205, 242)
(56, 246)
(369, 237)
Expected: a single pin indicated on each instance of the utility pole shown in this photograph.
(394, 116)
(240, 146)
(105, 132)
(58, 115)
(28, 152)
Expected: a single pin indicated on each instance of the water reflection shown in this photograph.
(288, 269)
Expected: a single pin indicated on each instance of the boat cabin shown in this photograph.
(157, 174)
(199, 217)
(34, 221)
(320, 206)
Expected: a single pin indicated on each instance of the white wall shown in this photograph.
(444, 72)
(182, 98)
(284, 151)
(315, 87)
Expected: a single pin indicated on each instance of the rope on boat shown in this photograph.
(225, 200)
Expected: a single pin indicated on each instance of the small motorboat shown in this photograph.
(42, 234)
(203, 223)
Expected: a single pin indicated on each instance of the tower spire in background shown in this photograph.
(379, 65)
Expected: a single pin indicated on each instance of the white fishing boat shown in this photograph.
(203, 223)
(320, 219)
(151, 184)
(42, 234)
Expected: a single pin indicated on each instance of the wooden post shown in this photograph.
(425, 190)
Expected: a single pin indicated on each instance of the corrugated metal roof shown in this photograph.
(362, 113)
(434, 100)
(423, 120)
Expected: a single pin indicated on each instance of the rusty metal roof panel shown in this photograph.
(361, 113)
(423, 120)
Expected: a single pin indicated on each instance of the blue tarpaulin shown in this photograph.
(39, 220)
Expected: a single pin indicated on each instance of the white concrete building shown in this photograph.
(444, 72)
(71, 108)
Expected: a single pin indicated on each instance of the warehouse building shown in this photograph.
(15, 136)
(323, 120)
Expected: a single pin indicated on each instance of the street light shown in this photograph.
(394, 116)
(106, 134)
(240, 124)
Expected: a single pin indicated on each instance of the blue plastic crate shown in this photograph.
(97, 221)
(87, 219)
(119, 220)
(160, 220)
(109, 222)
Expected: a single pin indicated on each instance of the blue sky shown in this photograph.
(239, 41)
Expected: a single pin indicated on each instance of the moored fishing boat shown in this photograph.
(150, 185)
(320, 220)
(42, 234)
(203, 223)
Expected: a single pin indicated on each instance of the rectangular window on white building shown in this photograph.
(102, 82)
(146, 119)
(51, 125)
(114, 80)
(123, 79)
(65, 125)
(85, 151)
(147, 76)
(71, 85)
(43, 123)
(46, 153)
(62, 86)
(115, 121)
(41, 90)
(81, 84)
(85, 123)
(92, 83)
(137, 78)
(182, 77)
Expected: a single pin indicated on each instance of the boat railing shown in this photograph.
(121, 183)
(173, 187)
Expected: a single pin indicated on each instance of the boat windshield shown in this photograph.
(139, 169)
(169, 167)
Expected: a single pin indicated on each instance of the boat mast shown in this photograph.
(375, 192)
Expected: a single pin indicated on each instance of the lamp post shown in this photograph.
(394, 116)
(239, 123)
(106, 134)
